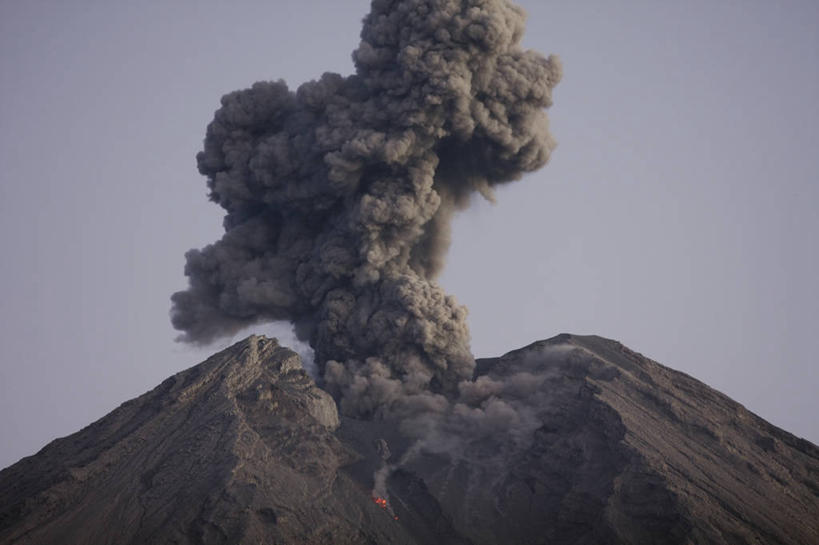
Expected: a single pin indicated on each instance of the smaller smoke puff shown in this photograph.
(339, 198)
(484, 432)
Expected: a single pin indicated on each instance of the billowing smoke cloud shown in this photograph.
(339, 197)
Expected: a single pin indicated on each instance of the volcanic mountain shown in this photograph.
(245, 448)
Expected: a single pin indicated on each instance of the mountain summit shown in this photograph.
(245, 448)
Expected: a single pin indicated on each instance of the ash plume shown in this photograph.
(339, 198)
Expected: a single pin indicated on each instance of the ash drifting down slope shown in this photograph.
(245, 449)
(339, 196)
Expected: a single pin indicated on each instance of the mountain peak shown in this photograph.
(245, 448)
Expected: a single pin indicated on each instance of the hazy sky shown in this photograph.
(677, 214)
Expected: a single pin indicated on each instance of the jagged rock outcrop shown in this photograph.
(244, 448)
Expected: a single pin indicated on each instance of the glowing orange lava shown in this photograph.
(382, 503)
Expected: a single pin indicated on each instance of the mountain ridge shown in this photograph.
(244, 447)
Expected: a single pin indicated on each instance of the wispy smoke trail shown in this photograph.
(339, 196)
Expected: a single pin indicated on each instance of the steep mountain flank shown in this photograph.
(245, 448)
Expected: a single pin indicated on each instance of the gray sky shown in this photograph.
(676, 216)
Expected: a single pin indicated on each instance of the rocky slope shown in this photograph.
(244, 448)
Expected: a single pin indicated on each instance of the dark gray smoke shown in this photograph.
(339, 196)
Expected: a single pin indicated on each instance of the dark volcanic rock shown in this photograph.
(239, 449)
(630, 451)
(244, 448)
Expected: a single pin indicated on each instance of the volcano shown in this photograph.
(246, 448)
